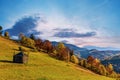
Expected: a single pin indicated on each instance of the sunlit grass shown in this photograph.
(39, 67)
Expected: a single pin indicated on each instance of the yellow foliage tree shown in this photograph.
(74, 59)
(27, 42)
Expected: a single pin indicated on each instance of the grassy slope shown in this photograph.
(39, 67)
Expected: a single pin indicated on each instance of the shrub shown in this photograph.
(74, 59)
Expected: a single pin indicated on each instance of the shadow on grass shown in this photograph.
(6, 61)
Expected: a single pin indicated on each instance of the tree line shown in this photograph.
(96, 66)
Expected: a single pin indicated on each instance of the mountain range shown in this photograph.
(101, 48)
(115, 61)
(84, 52)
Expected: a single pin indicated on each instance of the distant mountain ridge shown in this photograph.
(101, 48)
(84, 52)
(115, 61)
(102, 55)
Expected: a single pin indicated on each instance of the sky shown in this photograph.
(79, 22)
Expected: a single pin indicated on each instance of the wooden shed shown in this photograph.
(21, 57)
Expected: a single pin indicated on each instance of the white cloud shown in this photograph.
(99, 41)
(56, 19)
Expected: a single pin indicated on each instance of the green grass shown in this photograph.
(40, 67)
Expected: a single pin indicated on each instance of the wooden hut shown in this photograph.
(21, 57)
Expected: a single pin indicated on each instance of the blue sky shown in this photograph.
(79, 17)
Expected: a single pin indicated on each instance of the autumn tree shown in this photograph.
(95, 65)
(74, 59)
(60, 45)
(85, 63)
(71, 52)
(96, 62)
(54, 53)
(81, 62)
(38, 44)
(109, 68)
(111, 72)
(47, 46)
(90, 59)
(27, 42)
(89, 66)
(114, 75)
(62, 52)
(102, 70)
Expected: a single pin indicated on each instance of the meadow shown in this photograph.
(40, 66)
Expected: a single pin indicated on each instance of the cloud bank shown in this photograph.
(25, 25)
(72, 34)
(61, 29)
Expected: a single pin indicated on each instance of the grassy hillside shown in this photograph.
(39, 67)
